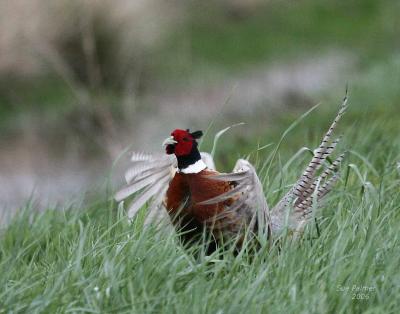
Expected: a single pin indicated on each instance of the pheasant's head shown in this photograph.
(182, 142)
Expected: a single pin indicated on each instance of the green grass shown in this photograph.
(92, 260)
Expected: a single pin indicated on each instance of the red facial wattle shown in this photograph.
(184, 143)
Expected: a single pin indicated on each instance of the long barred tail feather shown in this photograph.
(320, 155)
(328, 171)
(306, 206)
(311, 186)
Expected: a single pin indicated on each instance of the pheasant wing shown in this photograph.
(148, 178)
(246, 198)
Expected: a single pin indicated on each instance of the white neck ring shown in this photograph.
(197, 167)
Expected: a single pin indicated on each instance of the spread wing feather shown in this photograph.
(143, 169)
(141, 183)
(151, 191)
(249, 200)
(148, 178)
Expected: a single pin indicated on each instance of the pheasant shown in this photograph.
(184, 183)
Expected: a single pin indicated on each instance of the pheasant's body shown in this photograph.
(197, 197)
(183, 201)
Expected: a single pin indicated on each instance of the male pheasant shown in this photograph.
(184, 182)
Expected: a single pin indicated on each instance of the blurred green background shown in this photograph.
(81, 80)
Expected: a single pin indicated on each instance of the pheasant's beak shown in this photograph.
(169, 141)
(169, 145)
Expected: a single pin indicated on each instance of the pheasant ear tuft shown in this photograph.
(197, 134)
(188, 130)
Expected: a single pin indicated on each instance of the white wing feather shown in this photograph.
(250, 203)
(149, 178)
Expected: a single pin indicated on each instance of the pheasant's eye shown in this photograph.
(185, 139)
